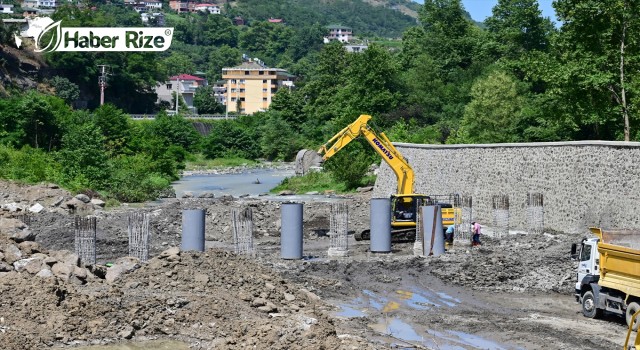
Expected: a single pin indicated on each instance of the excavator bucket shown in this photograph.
(307, 160)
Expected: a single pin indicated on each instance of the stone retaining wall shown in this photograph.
(584, 183)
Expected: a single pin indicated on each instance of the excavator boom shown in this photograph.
(380, 144)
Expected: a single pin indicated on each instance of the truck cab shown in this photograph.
(608, 275)
(588, 265)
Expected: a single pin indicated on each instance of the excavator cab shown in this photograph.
(405, 209)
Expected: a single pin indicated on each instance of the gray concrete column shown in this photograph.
(193, 230)
(433, 235)
(380, 225)
(291, 231)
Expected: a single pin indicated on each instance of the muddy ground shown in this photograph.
(511, 293)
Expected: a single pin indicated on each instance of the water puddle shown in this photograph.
(143, 345)
(350, 312)
(476, 341)
(405, 335)
(374, 300)
(398, 329)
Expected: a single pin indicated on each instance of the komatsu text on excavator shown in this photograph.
(405, 202)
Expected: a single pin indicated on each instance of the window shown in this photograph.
(241, 99)
(261, 72)
(585, 254)
(169, 86)
(233, 90)
(241, 90)
(246, 72)
(264, 90)
(264, 81)
(272, 72)
(233, 81)
(264, 99)
(233, 99)
(242, 81)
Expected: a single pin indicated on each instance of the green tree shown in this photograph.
(599, 47)
(229, 138)
(222, 57)
(83, 157)
(65, 89)
(493, 114)
(115, 127)
(205, 102)
(517, 27)
(175, 130)
(177, 63)
(371, 86)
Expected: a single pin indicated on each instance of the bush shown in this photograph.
(133, 179)
(27, 164)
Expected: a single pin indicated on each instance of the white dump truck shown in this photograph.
(608, 278)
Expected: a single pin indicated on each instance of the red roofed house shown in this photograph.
(276, 20)
(184, 84)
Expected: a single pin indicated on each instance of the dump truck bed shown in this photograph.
(619, 260)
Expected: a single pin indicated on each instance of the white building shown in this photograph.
(47, 3)
(339, 32)
(152, 4)
(184, 84)
(6, 9)
(211, 8)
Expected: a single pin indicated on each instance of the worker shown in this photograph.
(476, 230)
(448, 236)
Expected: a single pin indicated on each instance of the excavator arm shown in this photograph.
(380, 144)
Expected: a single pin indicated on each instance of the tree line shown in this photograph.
(518, 78)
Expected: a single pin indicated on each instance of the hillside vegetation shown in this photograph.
(367, 18)
(516, 79)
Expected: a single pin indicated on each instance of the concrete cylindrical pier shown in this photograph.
(433, 241)
(380, 225)
(291, 231)
(193, 230)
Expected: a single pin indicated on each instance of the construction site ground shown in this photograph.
(515, 292)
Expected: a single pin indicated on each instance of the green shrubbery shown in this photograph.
(41, 139)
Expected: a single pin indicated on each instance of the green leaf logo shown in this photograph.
(52, 33)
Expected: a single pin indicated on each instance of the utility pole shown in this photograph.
(177, 96)
(102, 80)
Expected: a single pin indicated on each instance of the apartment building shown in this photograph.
(251, 86)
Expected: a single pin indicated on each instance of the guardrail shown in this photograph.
(188, 116)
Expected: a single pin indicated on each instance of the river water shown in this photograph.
(251, 182)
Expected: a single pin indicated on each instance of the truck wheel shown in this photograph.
(589, 308)
(632, 308)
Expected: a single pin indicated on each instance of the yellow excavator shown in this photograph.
(405, 203)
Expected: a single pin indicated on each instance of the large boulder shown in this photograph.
(121, 267)
(16, 230)
(65, 257)
(12, 254)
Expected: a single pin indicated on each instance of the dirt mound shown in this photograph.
(515, 263)
(215, 299)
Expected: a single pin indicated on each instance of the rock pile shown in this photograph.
(515, 263)
(213, 300)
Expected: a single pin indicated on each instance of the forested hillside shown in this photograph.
(365, 18)
(516, 79)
